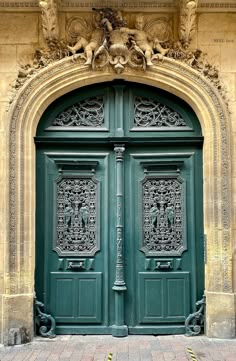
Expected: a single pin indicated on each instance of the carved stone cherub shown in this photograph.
(143, 40)
(88, 46)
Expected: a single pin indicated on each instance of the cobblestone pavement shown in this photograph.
(131, 348)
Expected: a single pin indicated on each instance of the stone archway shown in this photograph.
(24, 116)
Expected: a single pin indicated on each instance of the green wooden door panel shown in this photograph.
(178, 296)
(163, 297)
(151, 298)
(76, 298)
(63, 307)
(83, 180)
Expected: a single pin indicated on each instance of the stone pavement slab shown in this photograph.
(131, 348)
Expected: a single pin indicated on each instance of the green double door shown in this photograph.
(119, 231)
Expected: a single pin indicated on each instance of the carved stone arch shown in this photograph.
(174, 77)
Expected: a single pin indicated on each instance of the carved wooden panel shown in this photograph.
(150, 113)
(163, 215)
(86, 113)
(76, 215)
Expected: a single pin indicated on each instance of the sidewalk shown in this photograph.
(131, 348)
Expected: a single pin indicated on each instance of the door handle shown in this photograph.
(76, 265)
(165, 266)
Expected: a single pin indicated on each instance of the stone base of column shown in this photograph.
(220, 315)
(119, 331)
(18, 320)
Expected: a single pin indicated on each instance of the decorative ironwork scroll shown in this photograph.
(76, 216)
(45, 324)
(86, 113)
(150, 113)
(195, 321)
(163, 215)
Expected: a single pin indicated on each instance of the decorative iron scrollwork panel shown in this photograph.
(150, 113)
(86, 113)
(163, 215)
(77, 220)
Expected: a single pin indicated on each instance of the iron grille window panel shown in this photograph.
(150, 113)
(86, 113)
(163, 215)
(76, 216)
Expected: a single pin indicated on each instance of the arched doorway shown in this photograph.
(119, 245)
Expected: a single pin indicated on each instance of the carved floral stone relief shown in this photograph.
(107, 38)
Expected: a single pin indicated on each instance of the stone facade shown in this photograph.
(21, 33)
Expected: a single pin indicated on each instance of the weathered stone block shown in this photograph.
(217, 22)
(3, 115)
(25, 54)
(228, 56)
(230, 86)
(19, 28)
(7, 58)
(7, 80)
(213, 54)
(18, 321)
(220, 315)
(217, 38)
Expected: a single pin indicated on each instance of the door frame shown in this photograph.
(23, 118)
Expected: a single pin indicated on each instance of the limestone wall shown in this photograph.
(20, 35)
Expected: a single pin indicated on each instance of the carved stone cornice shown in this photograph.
(168, 5)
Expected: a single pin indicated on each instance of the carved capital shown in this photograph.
(119, 150)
